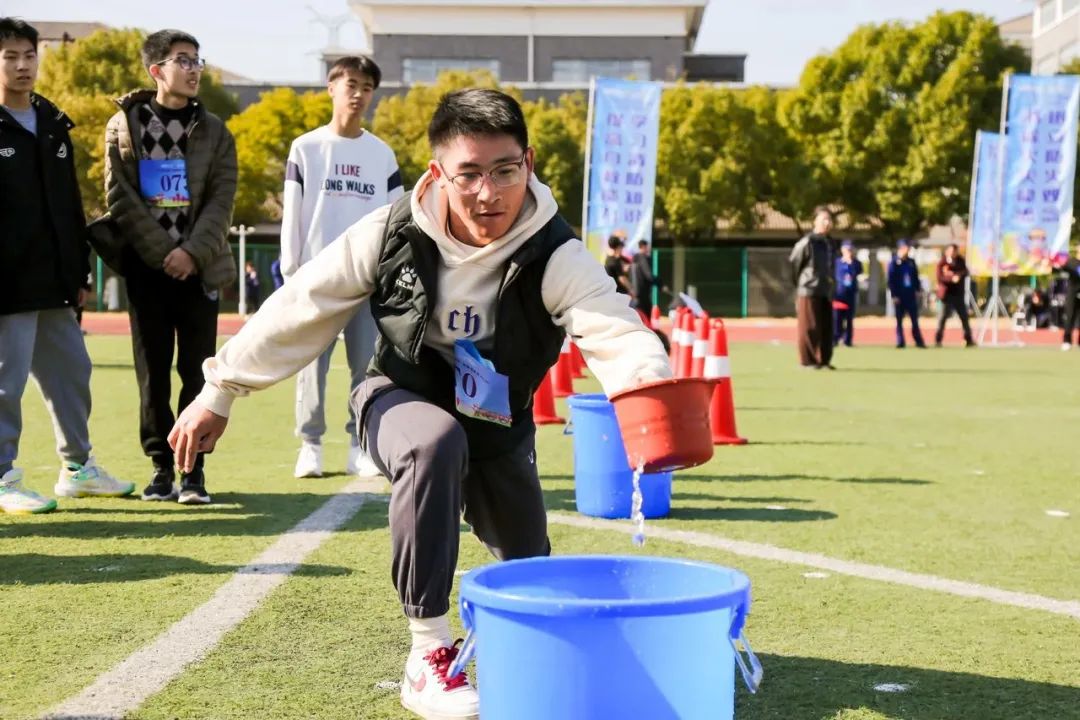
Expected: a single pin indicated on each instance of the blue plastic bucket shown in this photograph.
(603, 480)
(596, 637)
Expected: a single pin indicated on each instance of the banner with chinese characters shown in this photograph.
(622, 164)
(985, 195)
(1039, 167)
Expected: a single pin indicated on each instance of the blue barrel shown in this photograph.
(585, 637)
(603, 480)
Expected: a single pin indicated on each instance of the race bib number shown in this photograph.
(163, 183)
(847, 279)
(907, 281)
(479, 391)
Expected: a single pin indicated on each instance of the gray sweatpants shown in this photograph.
(424, 452)
(360, 336)
(48, 346)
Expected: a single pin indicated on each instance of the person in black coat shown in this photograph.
(1072, 298)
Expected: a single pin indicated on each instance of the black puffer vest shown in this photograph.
(526, 342)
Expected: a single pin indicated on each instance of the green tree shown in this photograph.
(264, 132)
(557, 132)
(84, 79)
(889, 118)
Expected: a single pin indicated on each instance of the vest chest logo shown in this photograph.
(62, 152)
(7, 152)
(406, 279)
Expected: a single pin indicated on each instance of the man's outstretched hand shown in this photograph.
(196, 430)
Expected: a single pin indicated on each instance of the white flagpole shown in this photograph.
(588, 165)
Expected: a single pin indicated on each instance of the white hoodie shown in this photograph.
(298, 321)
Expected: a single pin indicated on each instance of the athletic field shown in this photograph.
(902, 520)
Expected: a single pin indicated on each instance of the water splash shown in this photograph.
(636, 515)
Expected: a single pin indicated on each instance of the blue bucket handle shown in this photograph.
(752, 674)
(468, 648)
(568, 428)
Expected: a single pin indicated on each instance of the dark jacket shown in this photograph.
(812, 266)
(44, 254)
(211, 175)
(847, 280)
(527, 341)
(642, 280)
(946, 271)
(1072, 268)
(904, 278)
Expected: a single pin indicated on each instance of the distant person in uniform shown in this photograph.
(906, 291)
(848, 270)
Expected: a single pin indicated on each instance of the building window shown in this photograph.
(426, 70)
(1067, 6)
(579, 71)
(1047, 13)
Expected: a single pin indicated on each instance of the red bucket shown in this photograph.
(665, 424)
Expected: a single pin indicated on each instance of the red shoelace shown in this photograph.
(440, 659)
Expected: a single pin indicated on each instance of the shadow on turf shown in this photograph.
(816, 478)
(37, 569)
(799, 687)
(260, 515)
(563, 500)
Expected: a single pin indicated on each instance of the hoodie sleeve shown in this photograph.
(291, 211)
(298, 321)
(581, 298)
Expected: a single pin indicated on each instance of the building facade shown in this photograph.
(543, 48)
(1055, 38)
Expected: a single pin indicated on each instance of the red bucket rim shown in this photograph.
(661, 383)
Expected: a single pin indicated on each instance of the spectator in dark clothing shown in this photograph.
(642, 280)
(251, 286)
(1072, 298)
(812, 275)
(905, 288)
(848, 270)
(615, 265)
(951, 273)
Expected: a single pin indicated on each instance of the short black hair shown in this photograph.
(357, 63)
(15, 29)
(157, 45)
(477, 111)
(642, 243)
(614, 242)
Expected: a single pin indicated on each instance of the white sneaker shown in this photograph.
(17, 500)
(309, 461)
(1066, 347)
(360, 463)
(428, 692)
(90, 480)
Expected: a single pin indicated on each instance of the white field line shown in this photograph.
(152, 667)
(1069, 608)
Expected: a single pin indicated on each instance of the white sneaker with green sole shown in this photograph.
(17, 500)
(90, 480)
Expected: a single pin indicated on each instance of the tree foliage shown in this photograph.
(85, 78)
(264, 131)
(889, 118)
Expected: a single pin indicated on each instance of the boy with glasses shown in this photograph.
(170, 178)
(335, 175)
(474, 281)
(44, 262)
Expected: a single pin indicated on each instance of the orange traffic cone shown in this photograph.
(676, 339)
(577, 361)
(717, 366)
(562, 375)
(654, 321)
(686, 346)
(701, 346)
(544, 404)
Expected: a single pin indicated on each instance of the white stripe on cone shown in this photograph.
(717, 367)
(701, 348)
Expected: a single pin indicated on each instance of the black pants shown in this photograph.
(815, 330)
(953, 304)
(167, 314)
(1072, 317)
(424, 452)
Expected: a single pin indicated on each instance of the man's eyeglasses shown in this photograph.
(505, 175)
(186, 63)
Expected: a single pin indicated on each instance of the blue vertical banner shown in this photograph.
(985, 196)
(1039, 166)
(622, 161)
